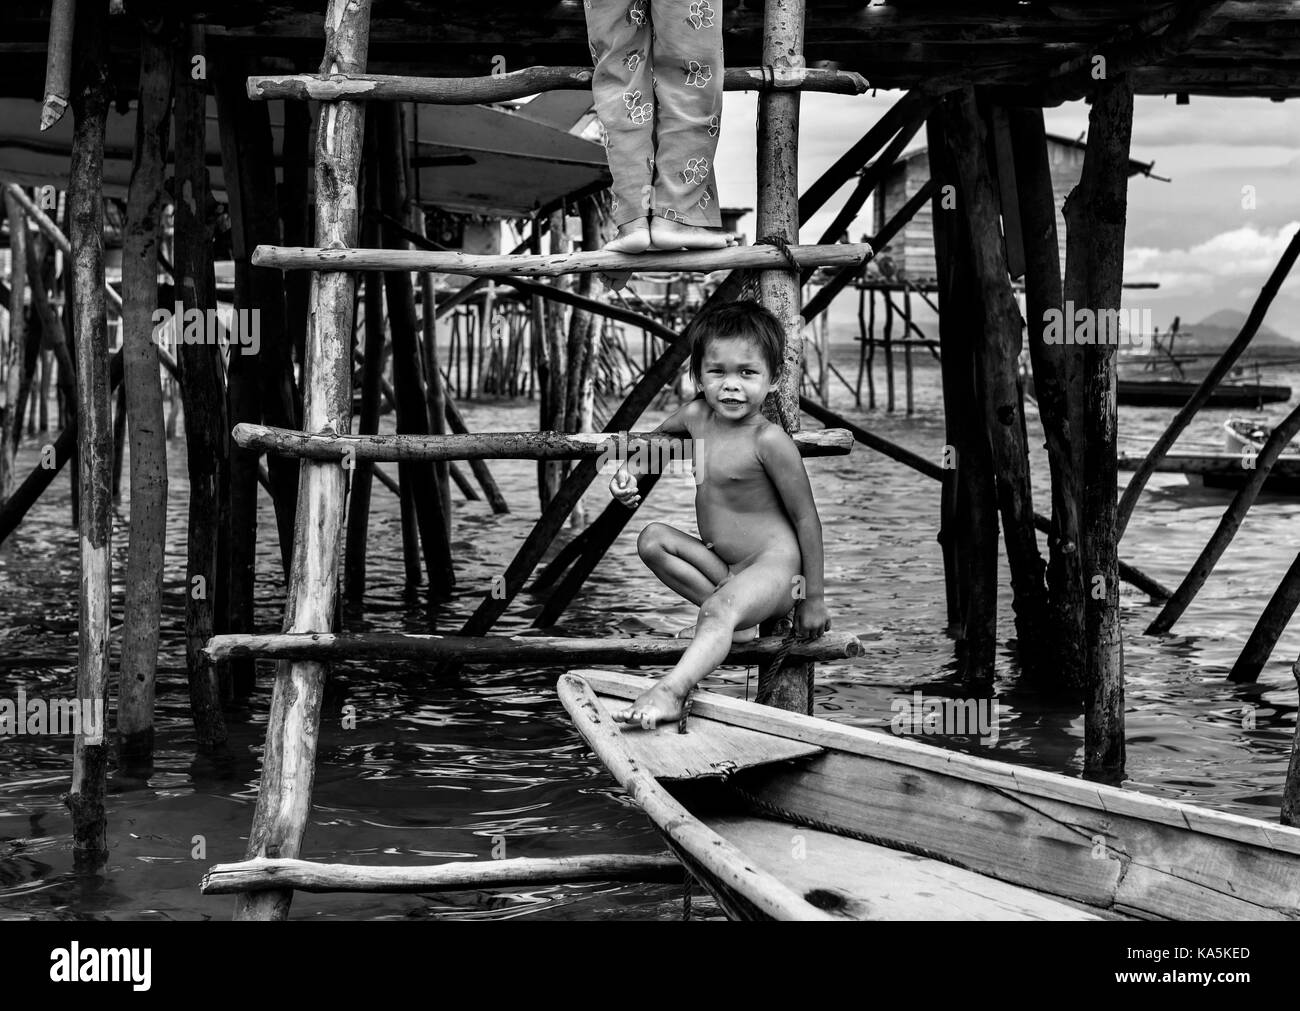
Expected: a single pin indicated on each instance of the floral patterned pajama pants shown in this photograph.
(658, 92)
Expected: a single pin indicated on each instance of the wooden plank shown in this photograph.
(1001, 777)
(862, 881)
(708, 750)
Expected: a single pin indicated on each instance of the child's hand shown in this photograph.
(811, 618)
(623, 488)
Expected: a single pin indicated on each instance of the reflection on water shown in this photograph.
(440, 769)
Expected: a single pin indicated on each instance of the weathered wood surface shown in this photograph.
(514, 84)
(499, 445)
(1058, 376)
(293, 723)
(548, 265)
(996, 352)
(718, 858)
(1096, 213)
(870, 882)
(513, 650)
(141, 384)
(1264, 636)
(306, 876)
(85, 246)
(1159, 858)
(58, 62)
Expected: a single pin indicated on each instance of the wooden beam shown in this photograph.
(705, 260)
(498, 445)
(512, 85)
(515, 650)
(58, 66)
(305, 876)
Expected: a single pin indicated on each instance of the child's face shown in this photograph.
(735, 377)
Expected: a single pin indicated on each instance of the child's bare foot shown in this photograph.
(740, 635)
(633, 237)
(666, 235)
(653, 706)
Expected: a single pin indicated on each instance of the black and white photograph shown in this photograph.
(645, 461)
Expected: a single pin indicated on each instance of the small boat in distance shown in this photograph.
(787, 817)
(1242, 440)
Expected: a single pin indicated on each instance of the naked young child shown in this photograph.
(761, 546)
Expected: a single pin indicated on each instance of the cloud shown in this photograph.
(1243, 252)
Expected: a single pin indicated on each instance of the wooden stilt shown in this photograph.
(871, 350)
(862, 343)
(141, 625)
(481, 472)
(907, 353)
(85, 799)
(412, 412)
(791, 686)
(998, 393)
(295, 212)
(888, 344)
(550, 475)
(1058, 375)
(435, 392)
(58, 62)
(10, 420)
(203, 395)
(1095, 215)
(289, 762)
(247, 144)
(968, 510)
(119, 442)
(1272, 623)
(358, 518)
(1229, 524)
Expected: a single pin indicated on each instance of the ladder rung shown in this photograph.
(497, 445)
(517, 84)
(309, 876)
(515, 650)
(757, 256)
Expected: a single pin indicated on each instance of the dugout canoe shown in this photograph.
(788, 817)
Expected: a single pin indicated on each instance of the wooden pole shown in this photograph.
(10, 421)
(1272, 623)
(435, 391)
(515, 650)
(462, 875)
(998, 393)
(289, 762)
(85, 799)
(412, 412)
(907, 351)
(871, 349)
(550, 475)
(295, 212)
(1095, 216)
(790, 687)
(141, 624)
(504, 87)
(888, 339)
(119, 442)
(479, 467)
(58, 62)
(1058, 382)
(758, 256)
(862, 343)
(1209, 384)
(547, 445)
(203, 396)
(358, 518)
(1229, 524)
(968, 510)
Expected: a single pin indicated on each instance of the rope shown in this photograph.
(780, 243)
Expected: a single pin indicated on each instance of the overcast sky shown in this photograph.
(1192, 235)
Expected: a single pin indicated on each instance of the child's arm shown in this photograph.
(623, 486)
(780, 458)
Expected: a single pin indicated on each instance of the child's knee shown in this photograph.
(720, 607)
(653, 540)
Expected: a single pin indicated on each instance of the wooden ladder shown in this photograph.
(303, 650)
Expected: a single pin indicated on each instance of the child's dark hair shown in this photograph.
(745, 319)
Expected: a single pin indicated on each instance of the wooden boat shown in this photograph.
(1248, 435)
(1176, 392)
(1223, 470)
(784, 816)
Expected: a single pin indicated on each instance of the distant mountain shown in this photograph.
(1219, 329)
(1234, 320)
